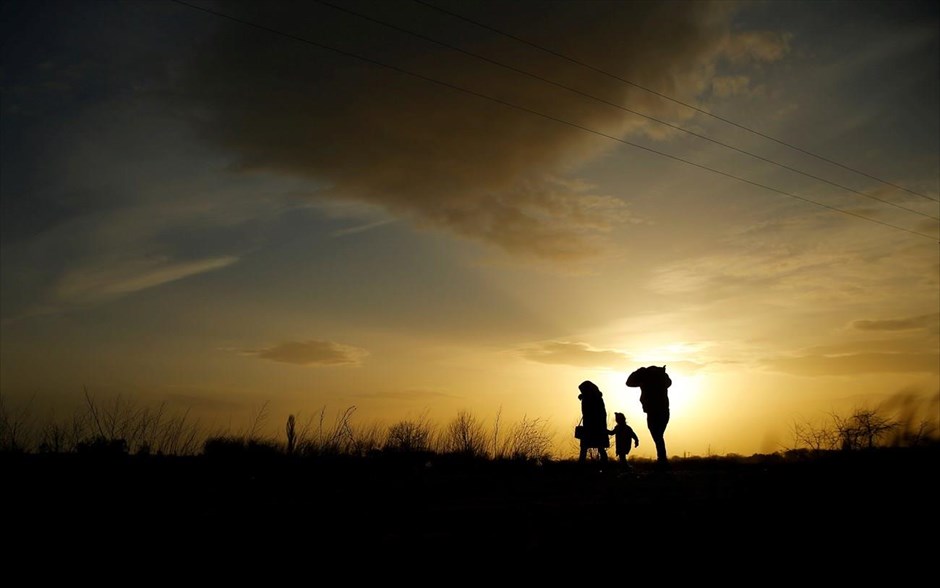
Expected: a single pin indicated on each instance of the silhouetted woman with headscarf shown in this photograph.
(594, 419)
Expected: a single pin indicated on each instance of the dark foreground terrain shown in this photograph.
(836, 517)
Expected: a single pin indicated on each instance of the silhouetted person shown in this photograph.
(624, 438)
(654, 382)
(594, 419)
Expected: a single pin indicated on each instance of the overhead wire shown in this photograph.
(535, 112)
(670, 98)
(618, 106)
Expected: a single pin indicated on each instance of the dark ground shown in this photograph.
(836, 517)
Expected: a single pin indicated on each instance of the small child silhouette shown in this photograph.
(623, 435)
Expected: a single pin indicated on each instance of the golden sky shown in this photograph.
(387, 206)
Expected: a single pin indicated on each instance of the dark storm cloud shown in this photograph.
(75, 75)
(443, 158)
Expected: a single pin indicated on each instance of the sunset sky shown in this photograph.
(317, 210)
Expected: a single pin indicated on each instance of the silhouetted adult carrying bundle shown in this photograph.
(654, 383)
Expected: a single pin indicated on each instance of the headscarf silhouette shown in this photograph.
(594, 419)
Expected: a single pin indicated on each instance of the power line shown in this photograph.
(618, 106)
(534, 112)
(670, 98)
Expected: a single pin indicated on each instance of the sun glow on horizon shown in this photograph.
(684, 393)
(226, 236)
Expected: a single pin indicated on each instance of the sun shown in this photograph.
(684, 393)
(685, 390)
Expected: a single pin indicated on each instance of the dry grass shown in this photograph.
(121, 425)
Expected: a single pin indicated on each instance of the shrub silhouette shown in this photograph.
(528, 440)
(465, 436)
(409, 436)
(239, 448)
(102, 446)
(866, 428)
(142, 429)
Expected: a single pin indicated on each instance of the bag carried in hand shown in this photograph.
(579, 431)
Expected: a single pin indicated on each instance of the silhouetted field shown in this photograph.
(832, 510)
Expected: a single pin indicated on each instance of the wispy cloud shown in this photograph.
(361, 227)
(725, 86)
(87, 285)
(855, 364)
(412, 394)
(923, 321)
(764, 46)
(310, 353)
(771, 260)
(686, 366)
(574, 353)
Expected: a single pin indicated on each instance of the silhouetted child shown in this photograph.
(623, 436)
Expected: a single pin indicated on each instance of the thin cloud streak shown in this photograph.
(311, 352)
(90, 285)
(361, 228)
(923, 321)
(100, 280)
(855, 364)
(574, 354)
(407, 395)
